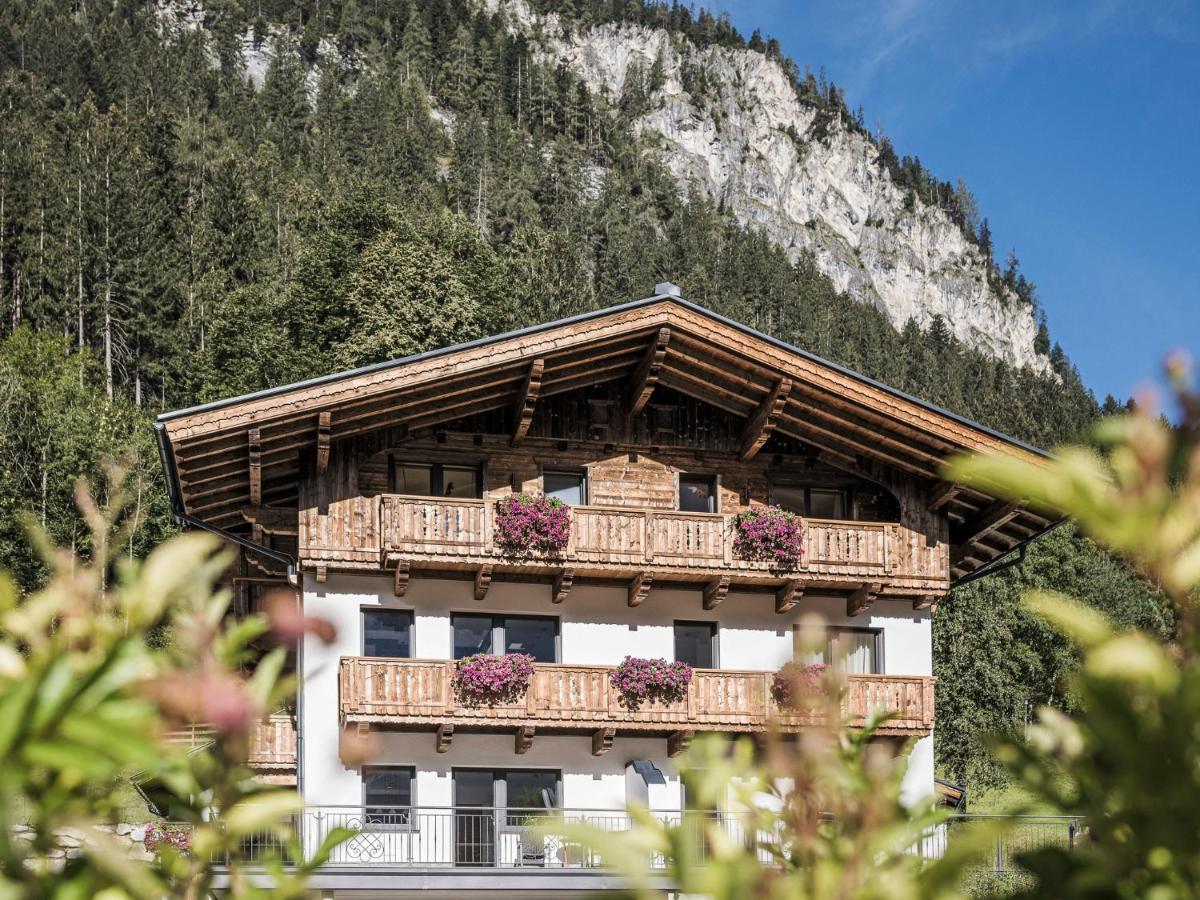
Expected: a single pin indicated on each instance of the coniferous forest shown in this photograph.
(177, 225)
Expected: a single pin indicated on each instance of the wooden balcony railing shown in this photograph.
(408, 692)
(417, 528)
(272, 744)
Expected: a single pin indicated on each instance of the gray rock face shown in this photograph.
(749, 142)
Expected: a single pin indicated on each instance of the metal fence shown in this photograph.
(479, 837)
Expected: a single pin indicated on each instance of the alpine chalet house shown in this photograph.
(411, 502)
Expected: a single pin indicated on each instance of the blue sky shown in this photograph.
(1077, 126)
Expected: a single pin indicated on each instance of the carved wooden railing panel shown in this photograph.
(832, 546)
(347, 531)
(272, 742)
(404, 691)
(415, 525)
(689, 539)
(607, 535)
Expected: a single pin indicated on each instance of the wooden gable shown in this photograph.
(225, 456)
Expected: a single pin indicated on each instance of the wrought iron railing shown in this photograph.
(483, 837)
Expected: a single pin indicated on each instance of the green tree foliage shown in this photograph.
(88, 689)
(1127, 760)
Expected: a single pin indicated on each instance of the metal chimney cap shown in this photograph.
(667, 289)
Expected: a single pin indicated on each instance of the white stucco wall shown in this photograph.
(597, 627)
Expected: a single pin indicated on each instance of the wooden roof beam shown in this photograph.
(527, 401)
(763, 422)
(254, 442)
(649, 370)
(941, 494)
(323, 424)
(991, 518)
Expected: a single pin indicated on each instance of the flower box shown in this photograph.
(486, 680)
(527, 523)
(794, 682)
(638, 681)
(163, 834)
(769, 534)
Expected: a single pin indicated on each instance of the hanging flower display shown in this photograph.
(526, 523)
(769, 534)
(485, 680)
(639, 680)
(794, 680)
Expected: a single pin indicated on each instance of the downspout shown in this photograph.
(178, 512)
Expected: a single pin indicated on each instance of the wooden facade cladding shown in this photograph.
(414, 694)
(744, 391)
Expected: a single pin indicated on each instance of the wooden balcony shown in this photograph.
(272, 750)
(416, 694)
(423, 533)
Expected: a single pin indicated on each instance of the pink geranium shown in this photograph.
(526, 523)
(769, 535)
(161, 834)
(639, 680)
(484, 679)
(795, 681)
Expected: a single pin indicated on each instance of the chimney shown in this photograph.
(667, 289)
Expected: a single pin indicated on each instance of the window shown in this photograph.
(521, 792)
(435, 479)
(697, 493)
(387, 795)
(820, 503)
(855, 651)
(535, 635)
(387, 633)
(696, 644)
(569, 487)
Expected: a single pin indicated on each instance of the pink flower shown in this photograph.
(794, 681)
(639, 680)
(528, 524)
(770, 535)
(486, 679)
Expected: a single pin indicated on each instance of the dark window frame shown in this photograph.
(437, 471)
(405, 820)
(499, 634)
(715, 630)
(847, 495)
(714, 483)
(584, 487)
(880, 666)
(387, 610)
(500, 790)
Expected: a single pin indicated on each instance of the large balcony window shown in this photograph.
(419, 479)
(854, 651)
(696, 644)
(535, 635)
(387, 633)
(387, 795)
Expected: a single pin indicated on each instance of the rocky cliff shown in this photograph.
(749, 141)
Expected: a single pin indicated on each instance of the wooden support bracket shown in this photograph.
(322, 574)
(649, 370)
(527, 401)
(562, 585)
(254, 442)
(788, 595)
(861, 600)
(400, 585)
(762, 423)
(483, 581)
(639, 588)
(524, 738)
(928, 601)
(274, 520)
(323, 421)
(602, 741)
(678, 741)
(445, 734)
(715, 591)
(941, 494)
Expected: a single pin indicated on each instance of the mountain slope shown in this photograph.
(729, 123)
